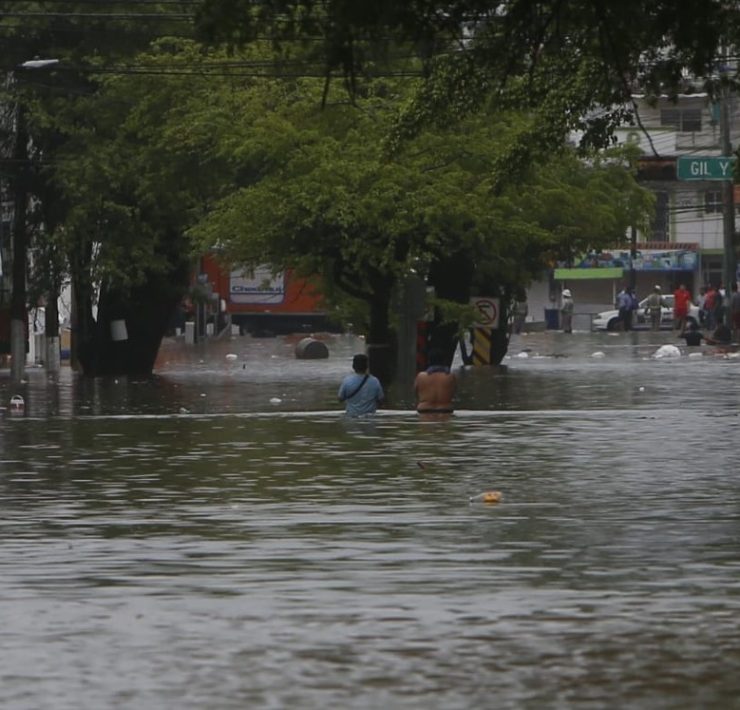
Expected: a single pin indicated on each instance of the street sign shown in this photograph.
(487, 311)
(705, 167)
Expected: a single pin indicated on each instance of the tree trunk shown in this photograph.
(52, 354)
(381, 348)
(127, 332)
(125, 335)
(451, 278)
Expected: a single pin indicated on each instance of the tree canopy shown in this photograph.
(359, 141)
(562, 60)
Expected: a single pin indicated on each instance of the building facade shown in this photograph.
(685, 243)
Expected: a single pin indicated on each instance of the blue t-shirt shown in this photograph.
(366, 400)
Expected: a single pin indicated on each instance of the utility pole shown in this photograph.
(18, 313)
(633, 257)
(728, 206)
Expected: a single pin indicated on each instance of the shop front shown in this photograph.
(605, 273)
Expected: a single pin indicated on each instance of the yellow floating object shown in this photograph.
(489, 497)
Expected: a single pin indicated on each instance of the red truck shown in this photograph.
(263, 303)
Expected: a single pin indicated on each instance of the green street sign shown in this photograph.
(705, 167)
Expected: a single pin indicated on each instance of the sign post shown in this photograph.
(487, 318)
(487, 311)
(705, 167)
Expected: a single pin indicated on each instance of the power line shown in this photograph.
(99, 3)
(101, 15)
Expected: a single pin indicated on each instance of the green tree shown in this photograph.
(551, 67)
(557, 59)
(84, 39)
(136, 174)
(335, 203)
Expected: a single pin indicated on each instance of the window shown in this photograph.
(660, 224)
(684, 120)
(713, 201)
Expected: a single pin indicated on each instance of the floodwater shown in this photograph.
(220, 536)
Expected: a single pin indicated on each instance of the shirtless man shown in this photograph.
(435, 387)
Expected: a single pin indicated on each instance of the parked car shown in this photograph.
(609, 320)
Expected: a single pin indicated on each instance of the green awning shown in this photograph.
(583, 274)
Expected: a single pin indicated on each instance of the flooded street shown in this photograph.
(220, 536)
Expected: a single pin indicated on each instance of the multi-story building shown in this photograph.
(686, 241)
(687, 211)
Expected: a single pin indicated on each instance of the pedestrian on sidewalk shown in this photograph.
(566, 311)
(654, 307)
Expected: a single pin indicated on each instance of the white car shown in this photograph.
(609, 320)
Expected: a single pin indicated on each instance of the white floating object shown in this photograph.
(523, 355)
(598, 354)
(665, 351)
(275, 400)
(732, 356)
(184, 411)
(17, 403)
(696, 354)
(231, 356)
(641, 389)
(203, 394)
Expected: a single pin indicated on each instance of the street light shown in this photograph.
(38, 63)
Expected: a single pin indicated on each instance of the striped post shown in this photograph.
(481, 346)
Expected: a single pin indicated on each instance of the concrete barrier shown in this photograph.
(311, 349)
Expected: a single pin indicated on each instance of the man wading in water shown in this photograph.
(435, 387)
(361, 392)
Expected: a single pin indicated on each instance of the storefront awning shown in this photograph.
(583, 274)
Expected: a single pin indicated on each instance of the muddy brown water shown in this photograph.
(220, 536)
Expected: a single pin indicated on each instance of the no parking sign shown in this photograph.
(487, 311)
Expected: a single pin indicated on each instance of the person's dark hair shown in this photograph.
(360, 362)
(436, 357)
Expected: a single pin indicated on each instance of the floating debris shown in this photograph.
(666, 351)
(488, 497)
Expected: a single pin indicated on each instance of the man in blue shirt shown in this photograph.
(361, 392)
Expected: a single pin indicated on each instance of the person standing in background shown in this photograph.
(701, 302)
(566, 311)
(521, 309)
(654, 307)
(681, 303)
(709, 306)
(624, 306)
(721, 310)
(634, 305)
(735, 310)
